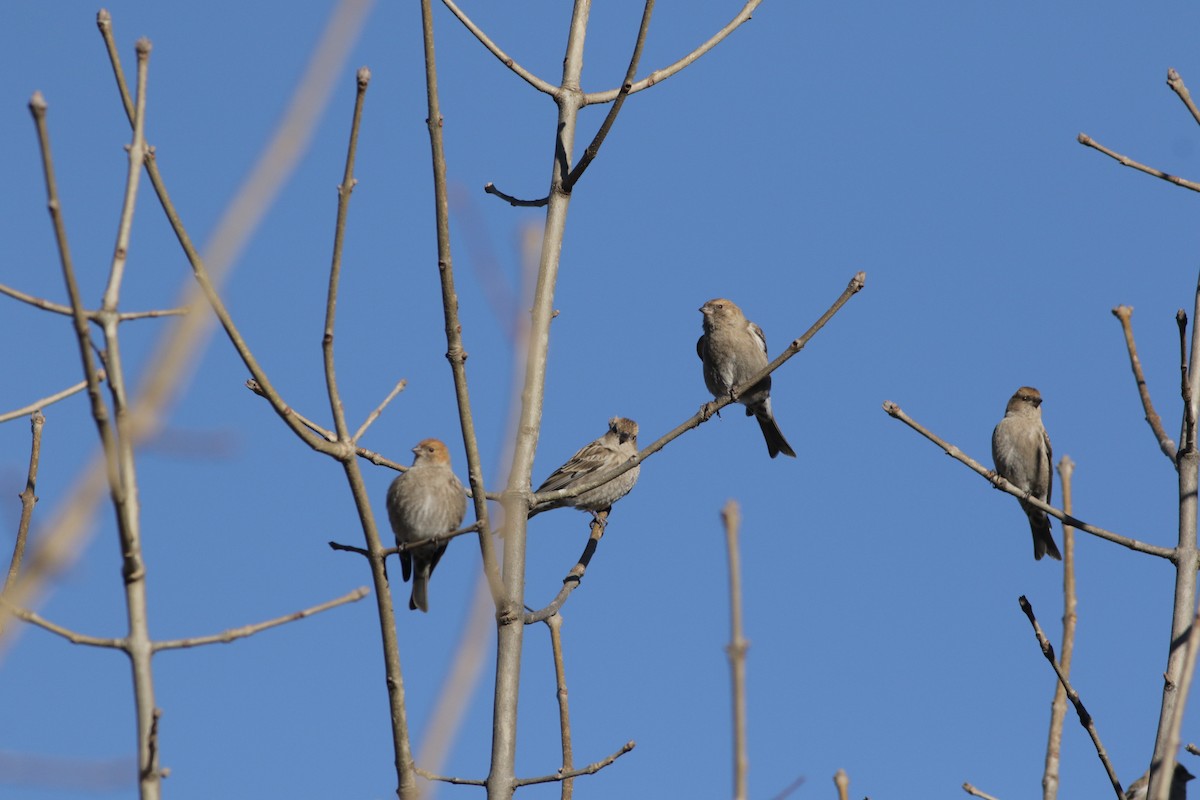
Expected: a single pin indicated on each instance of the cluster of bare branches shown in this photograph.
(121, 421)
(1163, 780)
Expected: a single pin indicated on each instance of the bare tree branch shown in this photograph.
(1085, 719)
(233, 634)
(374, 415)
(37, 405)
(1058, 707)
(370, 455)
(406, 546)
(505, 59)
(736, 650)
(575, 576)
(589, 154)
(554, 623)
(971, 790)
(707, 410)
(490, 188)
(590, 769)
(28, 501)
(1188, 436)
(1183, 609)
(661, 75)
(1125, 314)
(842, 781)
(1177, 86)
(456, 353)
(71, 636)
(58, 308)
(1125, 161)
(1000, 483)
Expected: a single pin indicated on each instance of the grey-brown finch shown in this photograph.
(611, 450)
(733, 350)
(424, 502)
(1021, 451)
(1179, 779)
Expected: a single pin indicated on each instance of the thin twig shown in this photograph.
(971, 790)
(38, 405)
(590, 769)
(456, 354)
(374, 415)
(1000, 483)
(370, 455)
(1125, 314)
(58, 308)
(575, 575)
(842, 781)
(707, 410)
(1177, 86)
(138, 642)
(490, 188)
(431, 776)
(71, 636)
(554, 623)
(1183, 687)
(589, 154)
(28, 500)
(1125, 161)
(234, 634)
(432, 541)
(505, 58)
(1058, 707)
(736, 650)
(662, 74)
(1085, 719)
(1185, 384)
(406, 783)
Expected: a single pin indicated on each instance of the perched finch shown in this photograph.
(733, 350)
(1021, 450)
(1137, 790)
(611, 450)
(422, 503)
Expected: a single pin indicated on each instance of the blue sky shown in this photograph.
(932, 145)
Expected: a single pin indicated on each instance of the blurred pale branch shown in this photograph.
(895, 411)
(1085, 718)
(175, 355)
